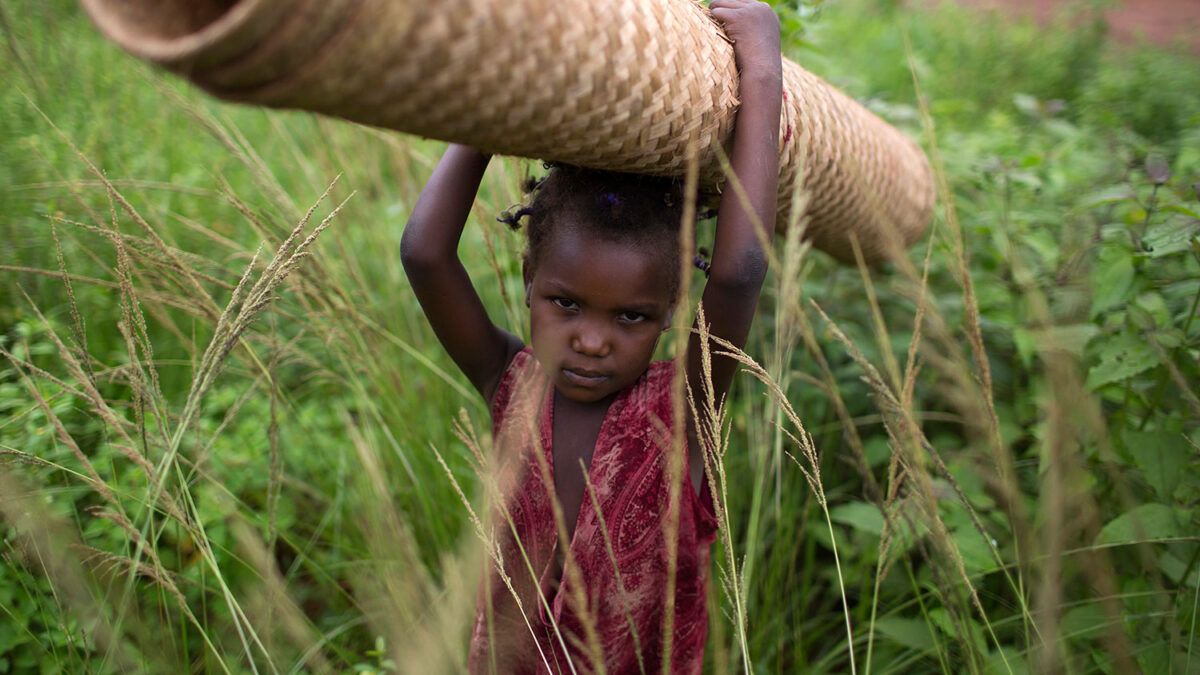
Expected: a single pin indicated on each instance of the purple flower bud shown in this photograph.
(1157, 169)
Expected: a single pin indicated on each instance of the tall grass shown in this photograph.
(231, 444)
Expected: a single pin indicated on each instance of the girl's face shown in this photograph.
(596, 309)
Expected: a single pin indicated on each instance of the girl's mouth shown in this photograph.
(584, 378)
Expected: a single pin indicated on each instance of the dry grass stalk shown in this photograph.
(713, 438)
(676, 441)
(132, 323)
(93, 478)
(396, 591)
(79, 330)
(830, 388)
(498, 478)
(714, 466)
(153, 570)
(191, 282)
(283, 618)
(46, 544)
(41, 374)
(788, 323)
(491, 479)
(10, 456)
(100, 405)
(103, 562)
(908, 439)
(465, 432)
(237, 145)
(157, 297)
(202, 455)
(247, 302)
(143, 250)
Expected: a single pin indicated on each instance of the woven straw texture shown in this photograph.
(625, 86)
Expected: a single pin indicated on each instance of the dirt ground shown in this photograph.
(1165, 22)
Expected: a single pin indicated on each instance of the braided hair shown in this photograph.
(641, 211)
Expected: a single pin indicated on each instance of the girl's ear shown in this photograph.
(667, 319)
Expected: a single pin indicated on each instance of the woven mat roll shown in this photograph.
(614, 85)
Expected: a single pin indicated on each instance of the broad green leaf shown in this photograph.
(1154, 305)
(10, 636)
(1180, 208)
(1005, 661)
(1046, 245)
(1026, 178)
(1148, 522)
(877, 450)
(1121, 357)
(859, 515)
(1112, 278)
(1155, 657)
(1175, 568)
(1102, 661)
(1109, 195)
(911, 633)
(1161, 456)
(1027, 104)
(1088, 621)
(940, 616)
(975, 551)
(1170, 338)
(1139, 317)
(1172, 236)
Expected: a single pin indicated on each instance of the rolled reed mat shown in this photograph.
(623, 86)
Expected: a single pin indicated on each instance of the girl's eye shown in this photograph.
(632, 317)
(564, 303)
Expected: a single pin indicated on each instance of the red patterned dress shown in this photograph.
(527, 622)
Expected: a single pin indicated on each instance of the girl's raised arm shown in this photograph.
(739, 261)
(429, 252)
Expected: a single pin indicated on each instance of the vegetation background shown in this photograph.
(984, 459)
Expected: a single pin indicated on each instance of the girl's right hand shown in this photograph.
(754, 29)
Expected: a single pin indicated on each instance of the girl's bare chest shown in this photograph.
(574, 433)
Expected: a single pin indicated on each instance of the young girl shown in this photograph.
(583, 419)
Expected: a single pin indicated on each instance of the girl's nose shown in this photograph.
(590, 341)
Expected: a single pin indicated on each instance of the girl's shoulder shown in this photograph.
(653, 391)
(521, 371)
(659, 374)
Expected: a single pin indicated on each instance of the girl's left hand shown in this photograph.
(754, 29)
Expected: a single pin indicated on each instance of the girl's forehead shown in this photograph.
(580, 262)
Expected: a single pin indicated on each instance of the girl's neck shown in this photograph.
(562, 404)
(575, 430)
